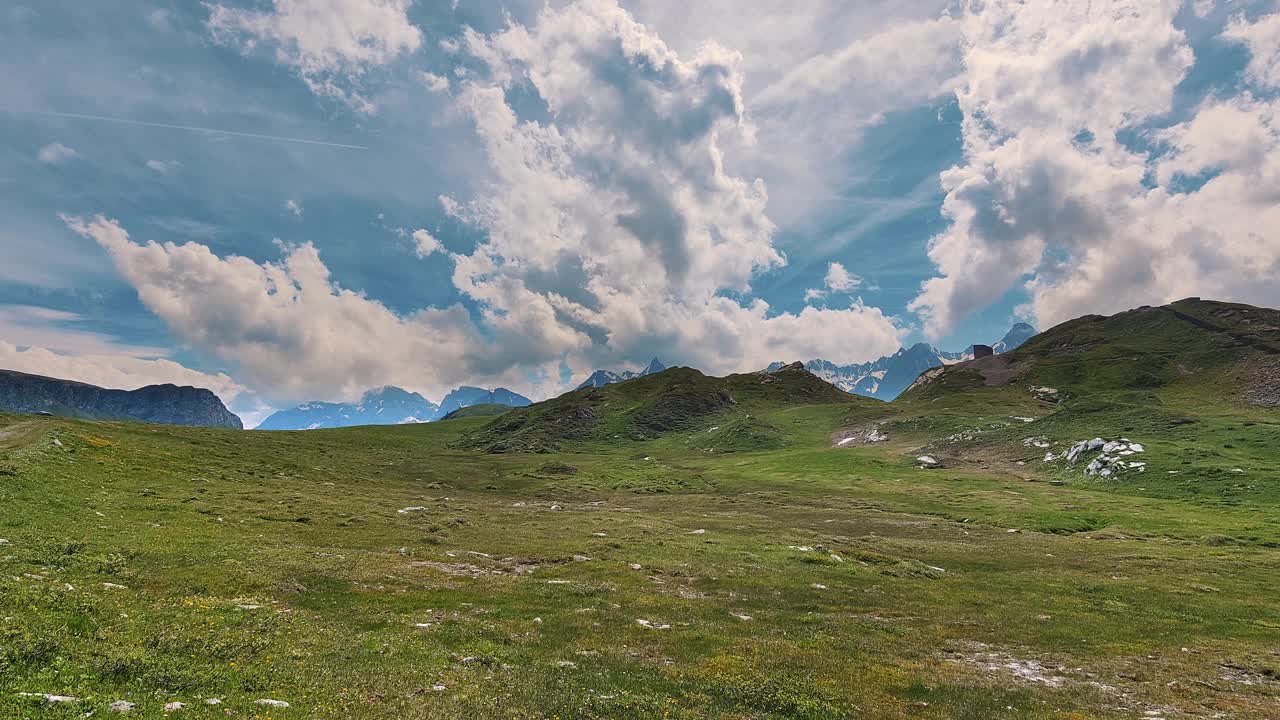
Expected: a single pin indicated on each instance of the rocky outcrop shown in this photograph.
(167, 404)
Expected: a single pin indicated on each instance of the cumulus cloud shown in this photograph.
(1262, 37)
(331, 44)
(613, 227)
(1050, 196)
(45, 341)
(841, 280)
(56, 154)
(424, 243)
(114, 371)
(287, 328)
(433, 82)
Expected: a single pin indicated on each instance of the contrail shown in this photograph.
(256, 136)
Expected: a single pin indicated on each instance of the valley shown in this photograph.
(680, 546)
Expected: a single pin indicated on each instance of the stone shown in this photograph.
(698, 532)
(271, 703)
(412, 509)
(174, 706)
(121, 706)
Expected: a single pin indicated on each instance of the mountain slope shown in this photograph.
(384, 406)
(168, 404)
(600, 378)
(734, 410)
(1229, 347)
(887, 377)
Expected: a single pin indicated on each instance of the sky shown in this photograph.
(295, 200)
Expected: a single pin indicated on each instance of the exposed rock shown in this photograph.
(412, 509)
(121, 706)
(271, 703)
(928, 462)
(174, 707)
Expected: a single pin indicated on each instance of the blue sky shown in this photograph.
(352, 193)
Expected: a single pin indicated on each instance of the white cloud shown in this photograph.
(1262, 37)
(331, 44)
(164, 167)
(817, 74)
(290, 332)
(433, 82)
(812, 294)
(425, 243)
(613, 227)
(293, 207)
(56, 154)
(841, 280)
(114, 371)
(1071, 215)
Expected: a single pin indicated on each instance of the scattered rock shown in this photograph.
(4, 542)
(566, 665)
(741, 617)
(174, 707)
(121, 706)
(635, 566)
(1039, 441)
(271, 703)
(413, 509)
(581, 558)
(818, 586)
(652, 626)
(213, 701)
(438, 688)
(862, 436)
(928, 462)
(698, 532)
(113, 586)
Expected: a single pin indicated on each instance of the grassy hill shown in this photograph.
(691, 548)
(734, 413)
(481, 410)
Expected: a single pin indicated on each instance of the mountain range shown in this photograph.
(889, 376)
(387, 406)
(168, 404)
(600, 378)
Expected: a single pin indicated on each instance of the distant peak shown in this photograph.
(655, 366)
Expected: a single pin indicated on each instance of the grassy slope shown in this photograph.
(1152, 593)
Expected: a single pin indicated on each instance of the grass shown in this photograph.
(197, 525)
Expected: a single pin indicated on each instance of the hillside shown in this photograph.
(168, 404)
(732, 412)
(1191, 343)
(475, 411)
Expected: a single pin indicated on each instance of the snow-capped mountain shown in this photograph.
(386, 406)
(600, 378)
(1017, 335)
(889, 376)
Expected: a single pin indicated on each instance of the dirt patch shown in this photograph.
(1023, 670)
